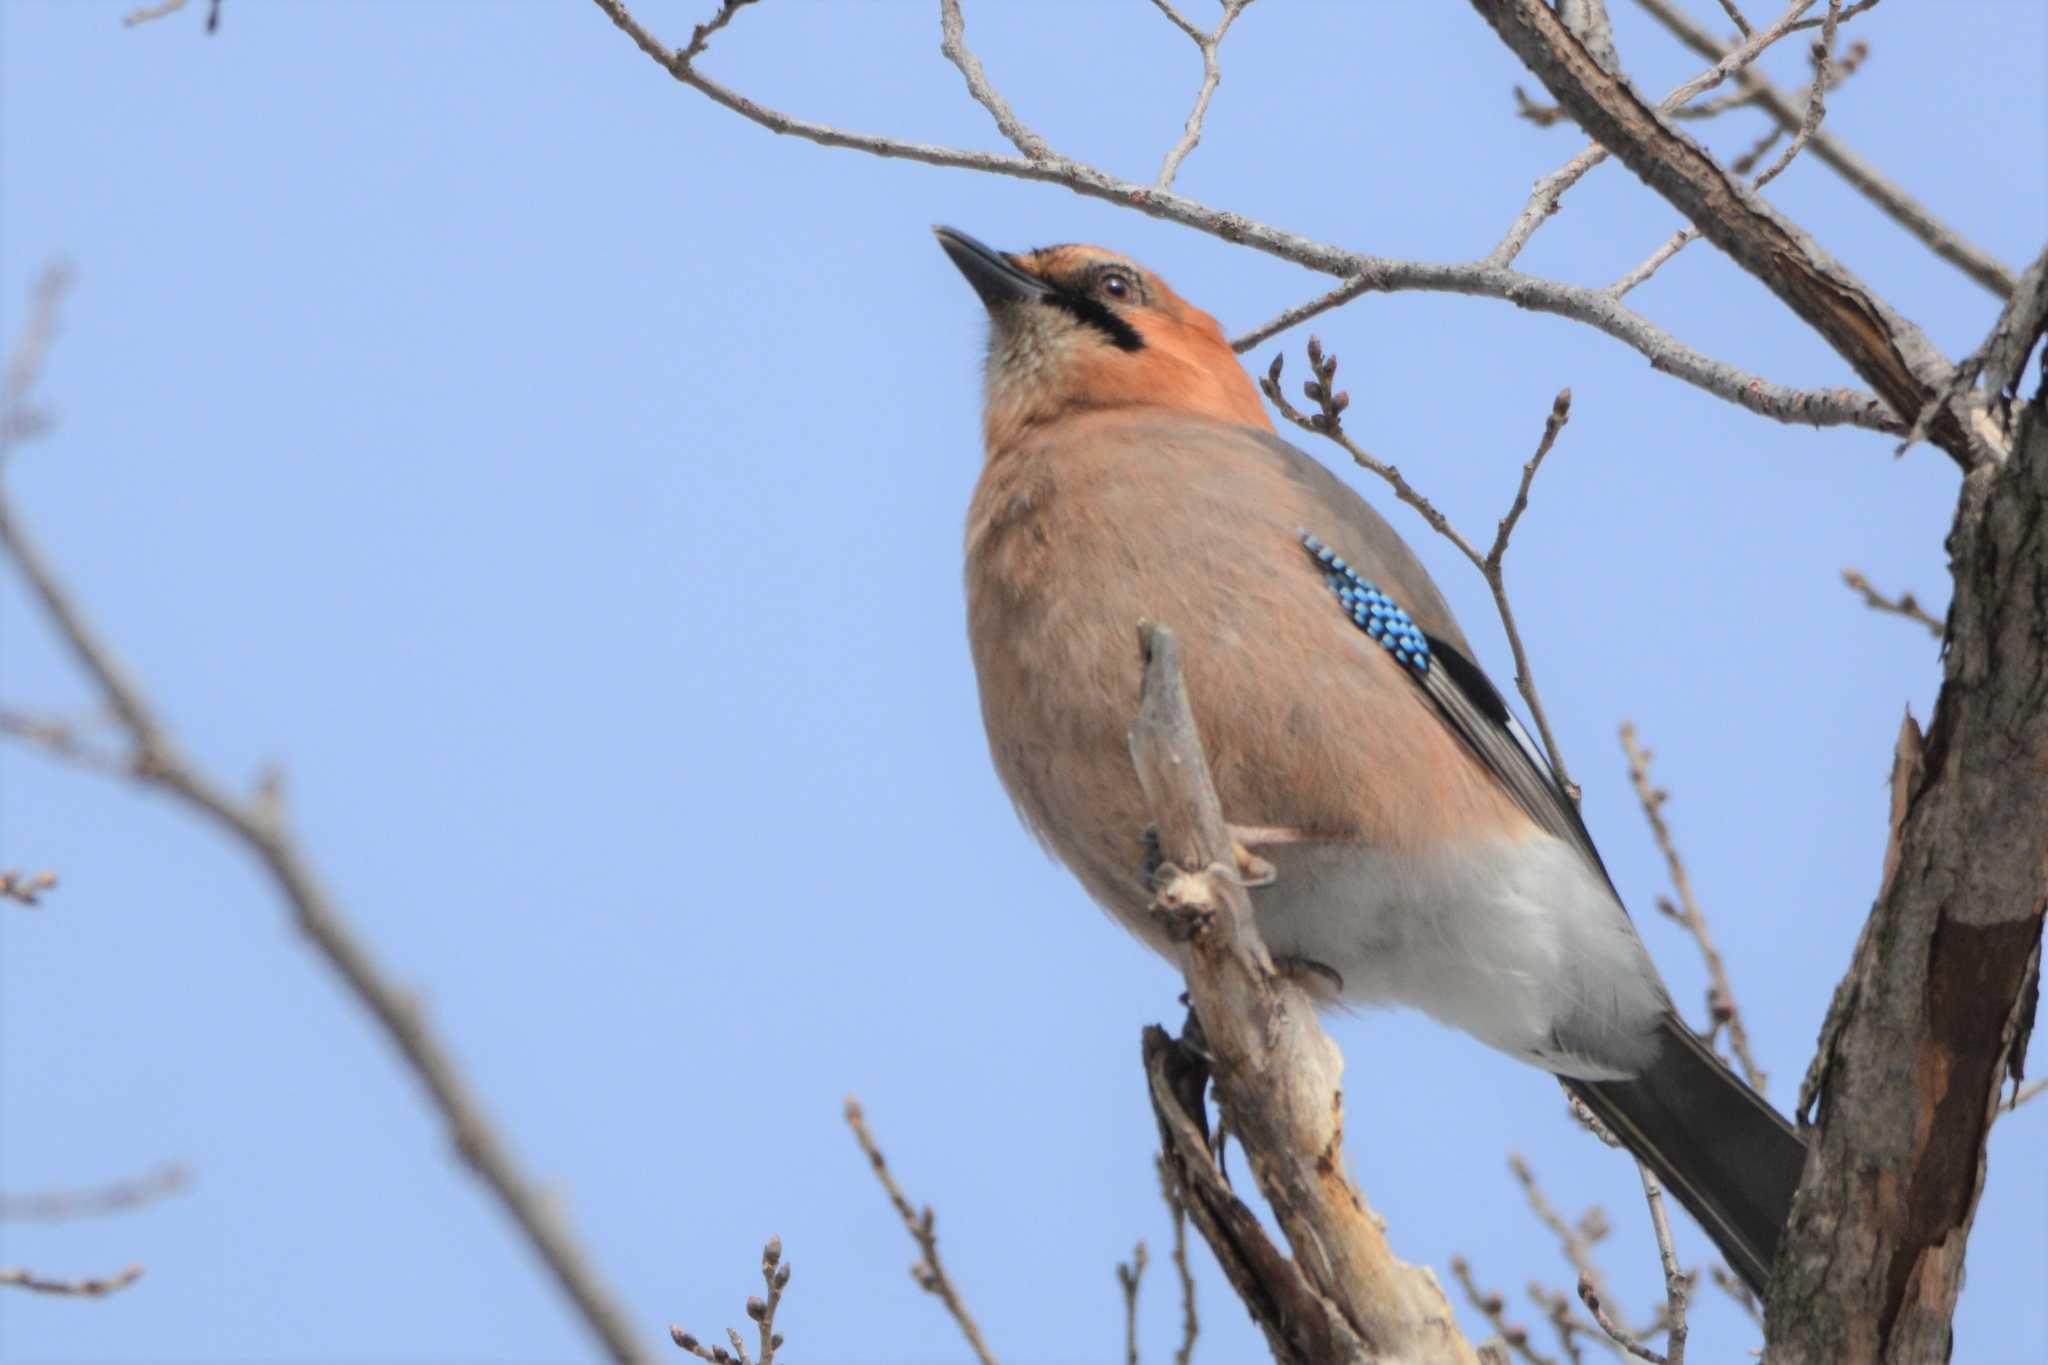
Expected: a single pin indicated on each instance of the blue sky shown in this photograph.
(564, 481)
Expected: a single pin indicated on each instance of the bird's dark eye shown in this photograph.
(1115, 286)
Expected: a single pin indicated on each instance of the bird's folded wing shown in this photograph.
(1463, 696)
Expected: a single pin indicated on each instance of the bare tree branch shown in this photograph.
(1999, 357)
(1735, 16)
(928, 1270)
(1588, 20)
(1190, 1324)
(1602, 1313)
(96, 1288)
(1722, 1011)
(1905, 604)
(953, 45)
(1128, 1276)
(1212, 74)
(1816, 98)
(1933, 1017)
(1677, 1284)
(1329, 422)
(1594, 307)
(1343, 1294)
(24, 888)
(1576, 1242)
(1824, 79)
(1908, 212)
(1493, 1307)
(1549, 191)
(149, 12)
(116, 1196)
(761, 1311)
(257, 825)
(1887, 350)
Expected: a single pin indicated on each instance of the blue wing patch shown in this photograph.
(1371, 610)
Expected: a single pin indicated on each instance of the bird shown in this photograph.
(1419, 849)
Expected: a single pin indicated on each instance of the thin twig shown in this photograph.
(1190, 1325)
(61, 740)
(1329, 422)
(1597, 1304)
(1212, 75)
(1722, 1012)
(255, 824)
(1820, 407)
(1735, 17)
(761, 1311)
(1905, 604)
(1525, 682)
(1824, 79)
(1128, 1277)
(1549, 191)
(149, 12)
(1738, 1291)
(1998, 358)
(95, 1288)
(2025, 1093)
(928, 1270)
(1943, 240)
(1652, 263)
(1575, 1241)
(1816, 97)
(1569, 1326)
(953, 46)
(24, 888)
(116, 1196)
(1677, 1284)
(1493, 1307)
(1849, 12)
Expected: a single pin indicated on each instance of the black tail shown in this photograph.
(1717, 1145)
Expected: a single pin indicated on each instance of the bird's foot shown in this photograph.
(1318, 982)
(1253, 871)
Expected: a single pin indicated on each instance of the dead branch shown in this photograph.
(257, 824)
(1343, 1295)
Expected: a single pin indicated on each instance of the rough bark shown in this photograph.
(1343, 1296)
(1933, 1016)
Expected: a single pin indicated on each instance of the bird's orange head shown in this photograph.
(1075, 328)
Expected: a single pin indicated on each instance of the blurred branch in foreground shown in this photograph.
(257, 823)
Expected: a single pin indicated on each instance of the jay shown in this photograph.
(1422, 853)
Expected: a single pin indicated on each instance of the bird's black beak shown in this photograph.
(994, 276)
